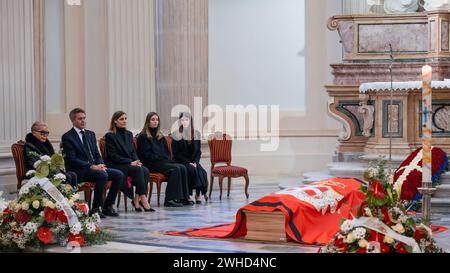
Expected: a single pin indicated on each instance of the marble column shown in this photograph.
(181, 55)
(131, 56)
(20, 79)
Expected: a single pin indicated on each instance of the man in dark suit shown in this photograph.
(82, 157)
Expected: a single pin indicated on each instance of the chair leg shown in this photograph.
(125, 202)
(150, 191)
(211, 183)
(158, 189)
(87, 197)
(229, 187)
(220, 186)
(247, 181)
(118, 199)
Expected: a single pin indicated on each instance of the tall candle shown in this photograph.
(426, 125)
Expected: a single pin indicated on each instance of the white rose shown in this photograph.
(399, 228)
(18, 207)
(359, 233)
(75, 197)
(71, 203)
(68, 187)
(25, 206)
(368, 212)
(388, 240)
(350, 238)
(363, 243)
(347, 225)
(24, 190)
(36, 204)
(50, 204)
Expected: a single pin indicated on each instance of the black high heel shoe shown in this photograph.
(146, 210)
(137, 209)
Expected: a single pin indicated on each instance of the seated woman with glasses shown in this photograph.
(37, 145)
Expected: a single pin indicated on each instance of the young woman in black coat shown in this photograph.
(121, 155)
(186, 149)
(153, 151)
(37, 145)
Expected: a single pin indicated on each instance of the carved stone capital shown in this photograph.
(346, 134)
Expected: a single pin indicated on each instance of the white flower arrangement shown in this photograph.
(91, 227)
(347, 226)
(76, 229)
(60, 176)
(359, 233)
(30, 228)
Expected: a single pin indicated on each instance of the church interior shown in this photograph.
(311, 93)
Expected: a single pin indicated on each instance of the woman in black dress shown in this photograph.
(153, 151)
(121, 155)
(37, 145)
(187, 151)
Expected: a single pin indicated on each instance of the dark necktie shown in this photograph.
(86, 147)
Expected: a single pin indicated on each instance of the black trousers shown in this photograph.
(139, 179)
(71, 179)
(177, 184)
(100, 178)
(197, 179)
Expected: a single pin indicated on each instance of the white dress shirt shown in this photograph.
(79, 133)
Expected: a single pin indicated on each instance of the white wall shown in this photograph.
(256, 53)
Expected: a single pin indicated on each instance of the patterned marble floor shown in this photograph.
(143, 232)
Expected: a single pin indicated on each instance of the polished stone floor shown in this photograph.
(143, 232)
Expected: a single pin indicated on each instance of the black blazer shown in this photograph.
(185, 153)
(153, 151)
(118, 151)
(34, 149)
(76, 158)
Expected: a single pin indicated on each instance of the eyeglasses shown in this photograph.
(44, 133)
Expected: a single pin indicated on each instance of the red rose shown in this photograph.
(22, 217)
(376, 188)
(419, 234)
(361, 250)
(77, 238)
(45, 235)
(50, 214)
(386, 218)
(7, 212)
(339, 244)
(375, 237)
(384, 248)
(400, 248)
(62, 217)
(82, 207)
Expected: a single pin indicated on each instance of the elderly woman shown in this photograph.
(37, 145)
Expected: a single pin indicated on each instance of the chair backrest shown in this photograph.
(169, 140)
(102, 146)
(220, 148)
(17, 150)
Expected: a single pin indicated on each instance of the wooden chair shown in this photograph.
(17, 150)
(220, 152)
(102, 147)
(157, 178)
